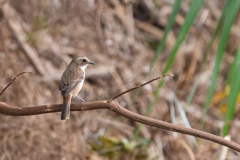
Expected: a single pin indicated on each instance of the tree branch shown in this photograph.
(115, 107)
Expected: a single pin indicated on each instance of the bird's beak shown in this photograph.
(91, 63)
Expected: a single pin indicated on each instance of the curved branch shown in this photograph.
(115, 107)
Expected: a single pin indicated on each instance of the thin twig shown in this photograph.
(13, 81)
(140, 86)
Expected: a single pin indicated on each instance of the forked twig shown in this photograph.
(13, 81)
(140, 86)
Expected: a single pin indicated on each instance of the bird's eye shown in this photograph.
(84, 60)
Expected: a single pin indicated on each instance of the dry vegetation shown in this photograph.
(120, 36)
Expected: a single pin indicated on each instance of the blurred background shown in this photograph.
(131, 42)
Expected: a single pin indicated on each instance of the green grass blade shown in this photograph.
(230, 12)
(190, 17)
(228, 82)
(192, 92)
(232, 98)
(176, 8)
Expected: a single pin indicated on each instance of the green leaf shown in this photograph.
(229, 15)
(190, 17)
(192, 92)
(162, 42)
(234, 90)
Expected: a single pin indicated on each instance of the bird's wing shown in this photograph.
(67, 86)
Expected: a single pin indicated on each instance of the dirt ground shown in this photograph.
(120, 37)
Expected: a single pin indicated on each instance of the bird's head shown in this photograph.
(82, 62)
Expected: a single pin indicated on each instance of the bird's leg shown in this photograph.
(78, 97)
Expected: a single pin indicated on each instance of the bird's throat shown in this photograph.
(83, 67)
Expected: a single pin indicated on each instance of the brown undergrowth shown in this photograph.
(120, 36)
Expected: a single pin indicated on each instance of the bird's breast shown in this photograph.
(78, 88)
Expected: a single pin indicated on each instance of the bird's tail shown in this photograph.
(66, 107)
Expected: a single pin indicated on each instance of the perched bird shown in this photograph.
(71, 83)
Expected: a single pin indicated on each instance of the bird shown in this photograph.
(71, 83)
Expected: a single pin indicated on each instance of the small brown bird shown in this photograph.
(72, 82)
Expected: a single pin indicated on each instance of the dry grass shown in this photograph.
(107, 33)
